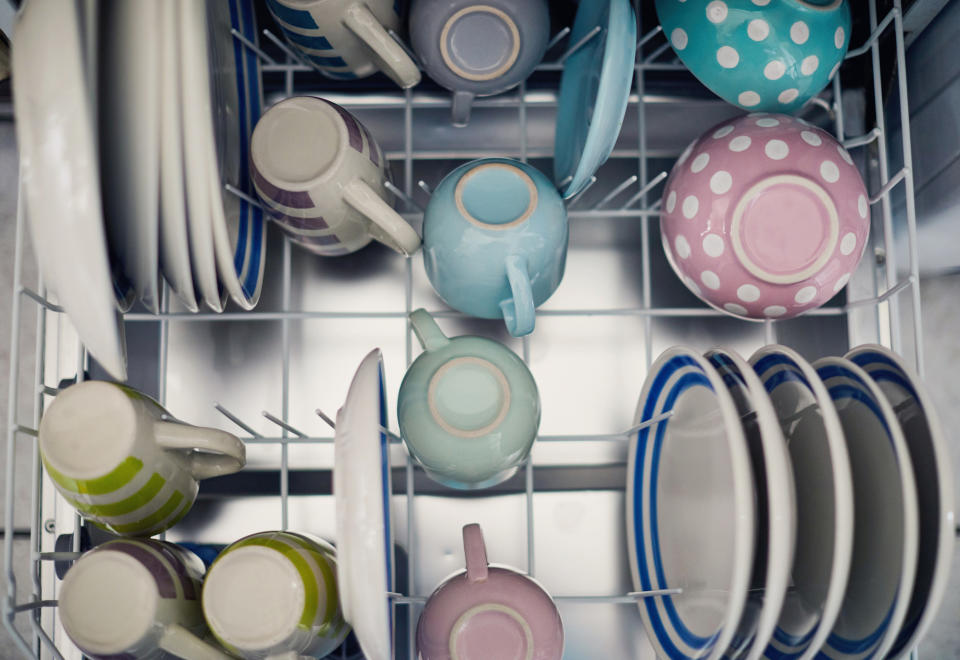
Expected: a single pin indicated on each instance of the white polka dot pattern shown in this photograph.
(749, 98)
(848, 243)
(748, 293)
(845, 155)
(776, 149)
(768, 122)
(862, 207)
(671, 201)
(722, 132)
(699, 163)
(805, 295)
(690, 206)
(679, 38)
(692, 286)
(811, 138)
(840, 283)
(728, 57)
(809, 65)
(717, 11)
(713, 245)
(829, 171)
(838, 37)
(734, 308)
(710, 279)
(774, 310)
(740, 143)
(788, 95)
(774, 70)
(720, 182)
(758, 29)
(799, 33)
(682, 247)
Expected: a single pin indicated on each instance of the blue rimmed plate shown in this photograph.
(886, 525)
(935, 484)
(361, 484)
(690, 508)
(594, 92)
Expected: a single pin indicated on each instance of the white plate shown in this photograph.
(935, 485)
(690, 508)
(886, 525)
(174, 243)
(824, 499)
(776, 504)
(60, 175)
(130, 140)
(361, 484)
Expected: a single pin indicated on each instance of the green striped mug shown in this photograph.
(124, 463)
(274, 594)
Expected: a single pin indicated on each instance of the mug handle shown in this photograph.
(518, 311)
(475, 552)
(221, 452)
(395, 232)
(427, 330)
(460, 108)
(392, 58)
(182, 643)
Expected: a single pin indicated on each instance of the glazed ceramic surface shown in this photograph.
(273, 593)
(495, 240)
(776, 504)
(347, 39)
(935, 484)
(468, 408)
(60, 176)
(488, 612)
(594, 92)
(478, 48)
(886, 525)
(824, 500)
(765, 216)
(770, 56)
(124, 463)
(136, 599)
(689, 484)
(321, 176)
(361, 484)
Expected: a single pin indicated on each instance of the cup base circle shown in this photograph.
(496, 196)
(491, 630)
(479, 43)
(468, 397)
(297, 142)
(784, 229)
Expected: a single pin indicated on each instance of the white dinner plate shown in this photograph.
(935, 485)
(690, 508)
(60, 175)
(361, 485)
(886, 525)
(776, 504)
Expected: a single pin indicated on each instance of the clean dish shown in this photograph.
(592, 105)
(886, 525)
(757, 54)
(129, 131)
(824, 500)
(765, 216)
(776, 504)
(690, 509)
(361, 484)
(60, 176)
(935, 484)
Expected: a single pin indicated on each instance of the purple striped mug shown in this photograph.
(322, 177)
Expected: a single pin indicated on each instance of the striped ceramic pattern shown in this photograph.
(316, 565)
(171, 575)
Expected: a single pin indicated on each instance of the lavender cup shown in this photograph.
(488, 612)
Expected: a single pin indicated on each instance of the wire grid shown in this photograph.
(657, 59)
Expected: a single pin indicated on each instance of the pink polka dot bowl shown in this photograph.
(764, 216)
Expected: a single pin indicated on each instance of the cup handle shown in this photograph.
(519, 311)
(182, 643)
(475, 552)
(393, 230)
(220, 452)
(427, 330)
(461, 106)
(392, 58)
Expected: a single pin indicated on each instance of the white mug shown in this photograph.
(347, 39)
(132, 597)
(321, 176)
(124, 463)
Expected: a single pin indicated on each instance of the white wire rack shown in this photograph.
(58, 353)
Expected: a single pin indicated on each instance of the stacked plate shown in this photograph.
(132, 120)
(790, 510)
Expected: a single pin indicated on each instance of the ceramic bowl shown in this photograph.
(757, 54)
(765, 216)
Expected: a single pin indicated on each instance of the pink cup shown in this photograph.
(488, 612)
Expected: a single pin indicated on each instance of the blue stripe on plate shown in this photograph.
(787, 639)
(334, 60)
(768, 361)
(295, 17)
(257, 223)
(306, 40)
(868, 360)
(240, 252)
(385, 471)
(858, 646)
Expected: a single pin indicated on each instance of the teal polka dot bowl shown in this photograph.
(761, 55)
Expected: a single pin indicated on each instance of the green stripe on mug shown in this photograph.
(311, 595)
(154, 519)
(323, 564)
(141, 498)
(119, 477)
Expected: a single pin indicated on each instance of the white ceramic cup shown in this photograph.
(321, 176)
(347, 39)
(130, 597)
(124, 463)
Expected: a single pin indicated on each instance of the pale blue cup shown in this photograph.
(468, 408)
(495, 241)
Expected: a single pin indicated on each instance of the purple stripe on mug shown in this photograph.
(353, 126)
(187, 582)
(306, 239)
(161, 574)
(371, 145)
(293, 199)
(314, 223)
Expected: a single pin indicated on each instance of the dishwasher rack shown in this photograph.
(884, 307)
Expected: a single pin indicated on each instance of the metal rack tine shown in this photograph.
(236, 192)
(579, 195)
(557, 38)
(327, 420)
(580, 44)
(289, 52)
(616, 191)
(660, 50)
(886, 295)
(650, 185)
(862, 140)
(873, 35)
(284, 425)
(252, 46)
(648, 36)
(889, 185)
(424, 187)
(36, 297)
(383, 429)
(236, 420)
(402, 195)
(656, 419)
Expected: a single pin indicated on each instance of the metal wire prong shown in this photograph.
(889, 185)
(402, 195)
(873, 35)
(282, 424)
(862, 140)
(236, 420)
(580, 44)
(576, 198)
(557, 38)
(424, 187)
(236, 192)
(648, 36)
(616, 191)
(883, 297)
(289, 52)
(36, 297)
(658, 51)
(322, 415)
(644, 190)
(252, 46)
(383, 429)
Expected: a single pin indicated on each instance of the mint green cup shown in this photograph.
(468, 408)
